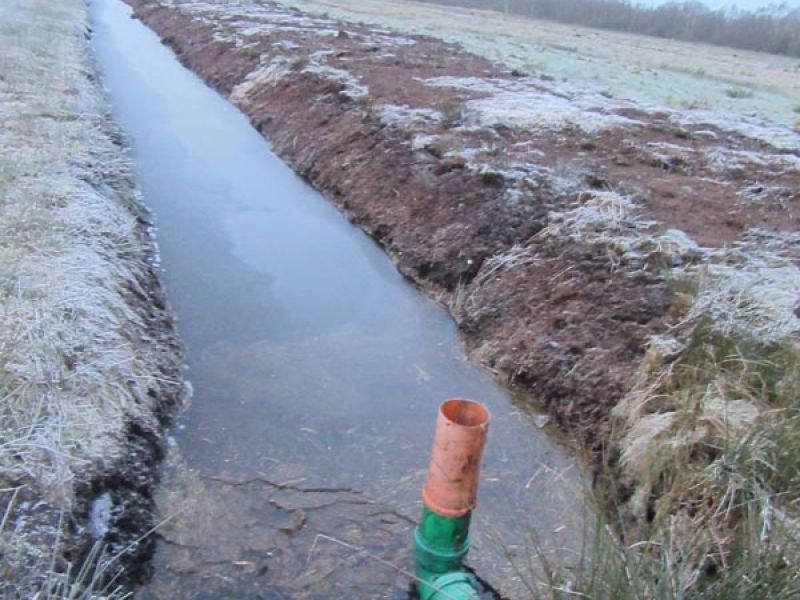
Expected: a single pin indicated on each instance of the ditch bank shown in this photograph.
(90, 362)
(512, 198)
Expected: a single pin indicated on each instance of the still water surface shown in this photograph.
(317, 369)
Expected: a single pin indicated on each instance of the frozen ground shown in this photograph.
(650, 71)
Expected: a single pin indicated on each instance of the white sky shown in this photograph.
(742, 4)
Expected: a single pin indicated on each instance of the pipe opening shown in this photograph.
(466, 413)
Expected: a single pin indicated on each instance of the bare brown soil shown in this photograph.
(565, 321)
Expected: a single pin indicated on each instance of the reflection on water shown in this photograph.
(317, 370)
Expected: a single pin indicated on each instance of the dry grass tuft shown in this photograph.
(76, 360)
(751, 289)
(710, 434)
(612, 221)
(708, 437)
(710, 453)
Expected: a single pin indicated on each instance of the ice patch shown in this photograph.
(525, 104)
(269, 74)
(755, 296)
(776, 136)
(396, 114)
(422, 142)
(100, 516)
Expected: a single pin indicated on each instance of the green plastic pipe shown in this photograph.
(441, 543)
(441, 540)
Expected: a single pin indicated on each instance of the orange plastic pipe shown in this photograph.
(451, 487)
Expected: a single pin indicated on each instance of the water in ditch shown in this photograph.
(317, 371)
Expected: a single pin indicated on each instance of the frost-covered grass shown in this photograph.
(709, 434)
(352, 87)
(748, 292)
(706, 488)
(650, 71)
(267, 74)
(582, 85)
(75, 362)
(525, 104)
(403, 115)
(710, 441)
(240, 22)
(655, 569)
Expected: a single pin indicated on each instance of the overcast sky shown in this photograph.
(742, 4)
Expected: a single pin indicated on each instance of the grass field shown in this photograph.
(648, 70)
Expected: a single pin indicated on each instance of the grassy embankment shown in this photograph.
(87, 362)
(706, 448)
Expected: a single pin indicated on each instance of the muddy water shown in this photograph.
(317, 370)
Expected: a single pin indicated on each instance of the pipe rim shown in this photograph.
(465, 413)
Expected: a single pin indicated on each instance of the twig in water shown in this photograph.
(284, 486)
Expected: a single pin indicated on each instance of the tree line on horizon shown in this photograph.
(775, 30)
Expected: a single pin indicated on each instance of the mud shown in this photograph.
(132, 476)
(462, 207)
(129, 474)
